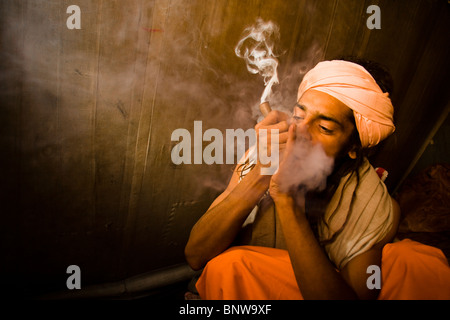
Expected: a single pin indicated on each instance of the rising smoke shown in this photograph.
(308, 164)
(257, 50)
(110, 64)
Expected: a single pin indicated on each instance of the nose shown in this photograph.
(303, 127)
(303, 132)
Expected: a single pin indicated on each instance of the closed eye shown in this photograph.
(326, 130)
(299, 113)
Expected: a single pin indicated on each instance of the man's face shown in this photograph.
(328, 120)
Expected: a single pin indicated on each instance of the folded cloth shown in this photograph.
(409, 270)
(359, 215)
(249, 273)
(414, 271)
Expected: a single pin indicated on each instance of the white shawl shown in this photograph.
(368, 216)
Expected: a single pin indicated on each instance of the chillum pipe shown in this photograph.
(265, 108)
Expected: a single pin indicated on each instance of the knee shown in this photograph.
(221, 272)
(228, 261)
(409, 252)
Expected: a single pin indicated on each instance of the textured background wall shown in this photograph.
(87, 115)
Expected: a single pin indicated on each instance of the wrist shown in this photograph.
(285, 203)
(252, 187)
(283, 200)
(258, 178)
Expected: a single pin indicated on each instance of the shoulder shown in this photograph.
(390, 235)
(361, 215)
(383, 204)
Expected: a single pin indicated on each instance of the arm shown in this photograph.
(219, 226)
(355, 271)
(315, 274)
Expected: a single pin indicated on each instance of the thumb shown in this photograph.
(292, 136)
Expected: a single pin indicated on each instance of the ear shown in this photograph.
(352, 153)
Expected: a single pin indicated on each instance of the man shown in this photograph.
(323, 253)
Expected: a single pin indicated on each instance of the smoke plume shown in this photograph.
(309, 165)
(257, 49)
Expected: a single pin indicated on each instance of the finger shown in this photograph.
(273, 117)
(278, 127)
(277, 138)
(292, 131)
(282, 151)
(283, 116)
(280, 138)
(270, 119)
(291, 136)
(282, 126)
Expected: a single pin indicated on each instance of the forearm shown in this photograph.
(219, 226)
(315, 274)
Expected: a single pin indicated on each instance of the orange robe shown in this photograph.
(410, 270)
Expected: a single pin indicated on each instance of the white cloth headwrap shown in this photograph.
(351, 84)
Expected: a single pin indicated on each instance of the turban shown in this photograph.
(351, 84)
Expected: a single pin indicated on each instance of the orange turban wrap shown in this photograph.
(351, 84)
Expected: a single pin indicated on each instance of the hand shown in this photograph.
(277, 191)
(305, 166)
(275, 120)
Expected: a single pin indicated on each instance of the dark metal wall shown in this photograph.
(87, 116)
